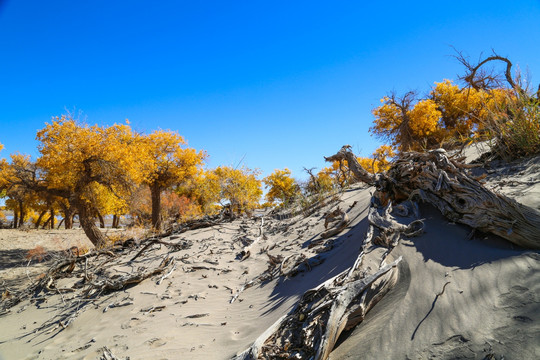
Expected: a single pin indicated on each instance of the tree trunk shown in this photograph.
(15, 218)
(68, 211)
(155, 191)
(115, 221)
(68, 221)
(342, 302)
(52, 218)
(88, 224)
(69, 214)
(46, 223)
(60, 223)
(21, 214)
(101, 221)
(40, 217)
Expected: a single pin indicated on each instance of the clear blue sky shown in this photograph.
(276, 83)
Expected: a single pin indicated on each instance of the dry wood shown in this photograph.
(107, 354)
(246, 252)
(342, 224)
(312, 328)
(94, 274)
(441, 181)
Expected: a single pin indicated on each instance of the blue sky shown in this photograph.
(275, 83)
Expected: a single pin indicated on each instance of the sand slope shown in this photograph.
(198, 320)
(457, 297)
(490, 304)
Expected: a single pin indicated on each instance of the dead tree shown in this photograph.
(480, 78)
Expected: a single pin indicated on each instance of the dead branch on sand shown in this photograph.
(89, 276)
(330, 218)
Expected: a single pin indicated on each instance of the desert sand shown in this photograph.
(459, 294)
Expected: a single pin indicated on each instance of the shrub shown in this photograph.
(514, 127)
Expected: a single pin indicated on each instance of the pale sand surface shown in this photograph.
(173, 332)
(491, 304)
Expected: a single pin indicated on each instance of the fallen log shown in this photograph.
(441, 181)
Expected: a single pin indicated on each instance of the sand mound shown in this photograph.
(459, 295)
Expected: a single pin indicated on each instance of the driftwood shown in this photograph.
(312, 328)
(91, 275)
(441, 181)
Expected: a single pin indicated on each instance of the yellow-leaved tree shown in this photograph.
(13, 179)
(167, 162)
(449, 115)
(282, 188)
(76, 158)
(204, 190)
(379, 160)
(238, 188)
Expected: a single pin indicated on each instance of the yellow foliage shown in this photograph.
(106, 201)
(387, 118)
(224, 186)
(240, 188)
(282, 187)
(424, 118)
(335, 175)
(379, 160)
(167, 161)
(450, 114)
(325, 179)
(204, 190)
(75, 155)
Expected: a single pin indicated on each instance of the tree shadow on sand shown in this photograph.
(458, 246)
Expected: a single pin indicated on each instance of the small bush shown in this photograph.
(514, 127)
(38, 253)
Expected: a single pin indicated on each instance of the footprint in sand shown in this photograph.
(131, 323)
(155, 342)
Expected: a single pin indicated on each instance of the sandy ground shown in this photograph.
(198, 321)
(456, 297)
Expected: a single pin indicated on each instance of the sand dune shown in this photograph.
(457, 296)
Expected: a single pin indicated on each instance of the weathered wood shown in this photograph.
(442, 182)
(338, 319)
(311, 329)
(246, 252)
(342, 224)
